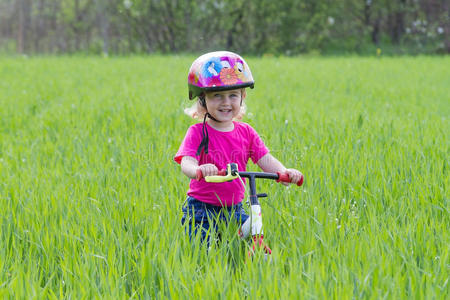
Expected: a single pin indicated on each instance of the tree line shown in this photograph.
(286, 27)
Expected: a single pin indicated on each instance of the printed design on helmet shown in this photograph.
(228, 76)
(239, 70)
(212, 67)
(215, 81)
(219, 71)
(193, 77)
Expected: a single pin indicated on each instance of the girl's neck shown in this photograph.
(221, 126)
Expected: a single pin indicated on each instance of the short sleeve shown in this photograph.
(189, 145)
(257, 147)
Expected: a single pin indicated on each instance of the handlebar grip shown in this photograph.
(199, 176)
(284, 177)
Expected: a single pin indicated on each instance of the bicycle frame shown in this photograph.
(254, 223)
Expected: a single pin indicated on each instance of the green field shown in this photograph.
(90, 198)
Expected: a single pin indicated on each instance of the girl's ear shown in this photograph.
(243, 94)
(202, 100)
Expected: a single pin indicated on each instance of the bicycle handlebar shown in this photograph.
(284, 177)
(199, 175)
(224, 176)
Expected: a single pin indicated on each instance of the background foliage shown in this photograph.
(285, 27)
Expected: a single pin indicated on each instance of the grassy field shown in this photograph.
(90, 198)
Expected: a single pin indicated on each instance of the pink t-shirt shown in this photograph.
(235, 146)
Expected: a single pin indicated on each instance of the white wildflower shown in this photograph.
(331, 20)
(127, 4)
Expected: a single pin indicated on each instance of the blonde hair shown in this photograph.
(197, 111)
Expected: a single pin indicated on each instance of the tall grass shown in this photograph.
(90, 199)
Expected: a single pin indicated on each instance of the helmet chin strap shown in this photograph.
(205, 140)
(203, 103)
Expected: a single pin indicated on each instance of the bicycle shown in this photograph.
(253, 224)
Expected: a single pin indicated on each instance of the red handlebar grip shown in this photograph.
(284, 177)
(199, 176)
(222, 172)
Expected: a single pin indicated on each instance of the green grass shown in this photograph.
(90, 199)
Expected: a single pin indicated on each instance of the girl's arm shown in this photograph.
(270, 164)
(189, 167)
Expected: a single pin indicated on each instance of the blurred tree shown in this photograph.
(279, 27)
(23, 11)
(103, 23)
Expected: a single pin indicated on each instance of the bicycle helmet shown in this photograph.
(218, 71)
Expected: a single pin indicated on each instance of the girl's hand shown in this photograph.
(208, 170)
(294, 175)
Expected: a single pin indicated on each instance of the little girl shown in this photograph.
(218, 80)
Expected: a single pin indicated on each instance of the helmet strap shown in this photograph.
(205, 140)
(203, 103)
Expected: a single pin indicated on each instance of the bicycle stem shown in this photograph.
(253, 196)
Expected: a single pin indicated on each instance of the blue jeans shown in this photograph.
(205, 217)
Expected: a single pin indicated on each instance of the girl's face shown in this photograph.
(224, 105)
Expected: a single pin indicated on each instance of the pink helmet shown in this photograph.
(218, 71)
